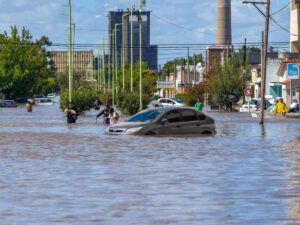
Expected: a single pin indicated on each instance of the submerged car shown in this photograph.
(165, 121)
(254, 105)
(8, 104)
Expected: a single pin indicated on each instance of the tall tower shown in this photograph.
(224, 22)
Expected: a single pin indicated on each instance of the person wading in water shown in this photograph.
(107, 114)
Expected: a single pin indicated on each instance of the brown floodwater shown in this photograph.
(55, 173)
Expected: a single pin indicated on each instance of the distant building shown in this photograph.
(294, 28)
(182, 79)
(123, 18)
(82, 60)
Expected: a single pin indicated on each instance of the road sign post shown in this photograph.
(248, 94)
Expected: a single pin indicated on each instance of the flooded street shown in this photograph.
(54, 173)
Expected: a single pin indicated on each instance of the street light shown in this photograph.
(142, 4)
(123, 50)
(115, 80)
(70, 53)
(110, 58)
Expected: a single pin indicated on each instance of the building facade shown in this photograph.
(183, 78)
(123, 37)
(82, 61)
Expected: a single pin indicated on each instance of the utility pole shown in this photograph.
(73, 49)
(99, 71)
(141, 61)
(188, 65)
(266, 41)
(131, 49)
(123, 48)
(103, 67)
(142, 4)
(70, 53)
(175, 75)
(244, 63)
(297, 2)
(265, 53)
(194, 84)
(110, 59)
(116, 59)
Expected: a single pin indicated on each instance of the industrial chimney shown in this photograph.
(224, 22)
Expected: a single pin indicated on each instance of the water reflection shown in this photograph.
(52, 172)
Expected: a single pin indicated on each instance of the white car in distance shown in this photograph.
(171, 102)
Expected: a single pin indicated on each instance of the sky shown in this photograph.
(172, 21)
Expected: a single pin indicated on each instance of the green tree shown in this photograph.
(129, 102)
(24, 66)
(226, 83)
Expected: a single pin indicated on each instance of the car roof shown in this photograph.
(168, 108)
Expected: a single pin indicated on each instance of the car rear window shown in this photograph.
(172, 116)
(188, 115)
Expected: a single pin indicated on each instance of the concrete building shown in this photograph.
(82, 60)
(149, 52)
(294, 46)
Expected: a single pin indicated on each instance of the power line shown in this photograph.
(285, 6)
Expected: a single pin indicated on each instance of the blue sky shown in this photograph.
(173, 21)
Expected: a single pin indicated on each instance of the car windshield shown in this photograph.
(177, 100)
(146, 116)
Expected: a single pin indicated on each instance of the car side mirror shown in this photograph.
(164, 121)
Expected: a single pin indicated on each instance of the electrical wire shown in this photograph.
(281, 9)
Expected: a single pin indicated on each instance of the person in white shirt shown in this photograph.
(294, 106)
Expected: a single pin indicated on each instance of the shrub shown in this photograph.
(129, 103)
(187, 98)
(82, 99)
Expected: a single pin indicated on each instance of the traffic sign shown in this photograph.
(165, 84)
(248, 92)
(293, 70)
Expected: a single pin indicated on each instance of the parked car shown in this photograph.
(170, 102)
(22, 100)
(254, 105)
(51, 95)
(44, 101)
(166, 120)
(8, 104)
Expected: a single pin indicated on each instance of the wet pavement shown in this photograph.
(54, 173)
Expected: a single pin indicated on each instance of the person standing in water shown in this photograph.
(72, 114)
(107, 114)
(198, 105)
(29, 106)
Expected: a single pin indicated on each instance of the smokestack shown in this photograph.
(224, 22)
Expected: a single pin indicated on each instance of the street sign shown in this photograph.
(293, 70)
(248, 92)
(183, 85)
(165, 84)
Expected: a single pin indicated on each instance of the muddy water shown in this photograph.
(54, 173)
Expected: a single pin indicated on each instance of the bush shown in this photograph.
(155, 97)
(82, 99)
(129, 103)
(187, 98)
